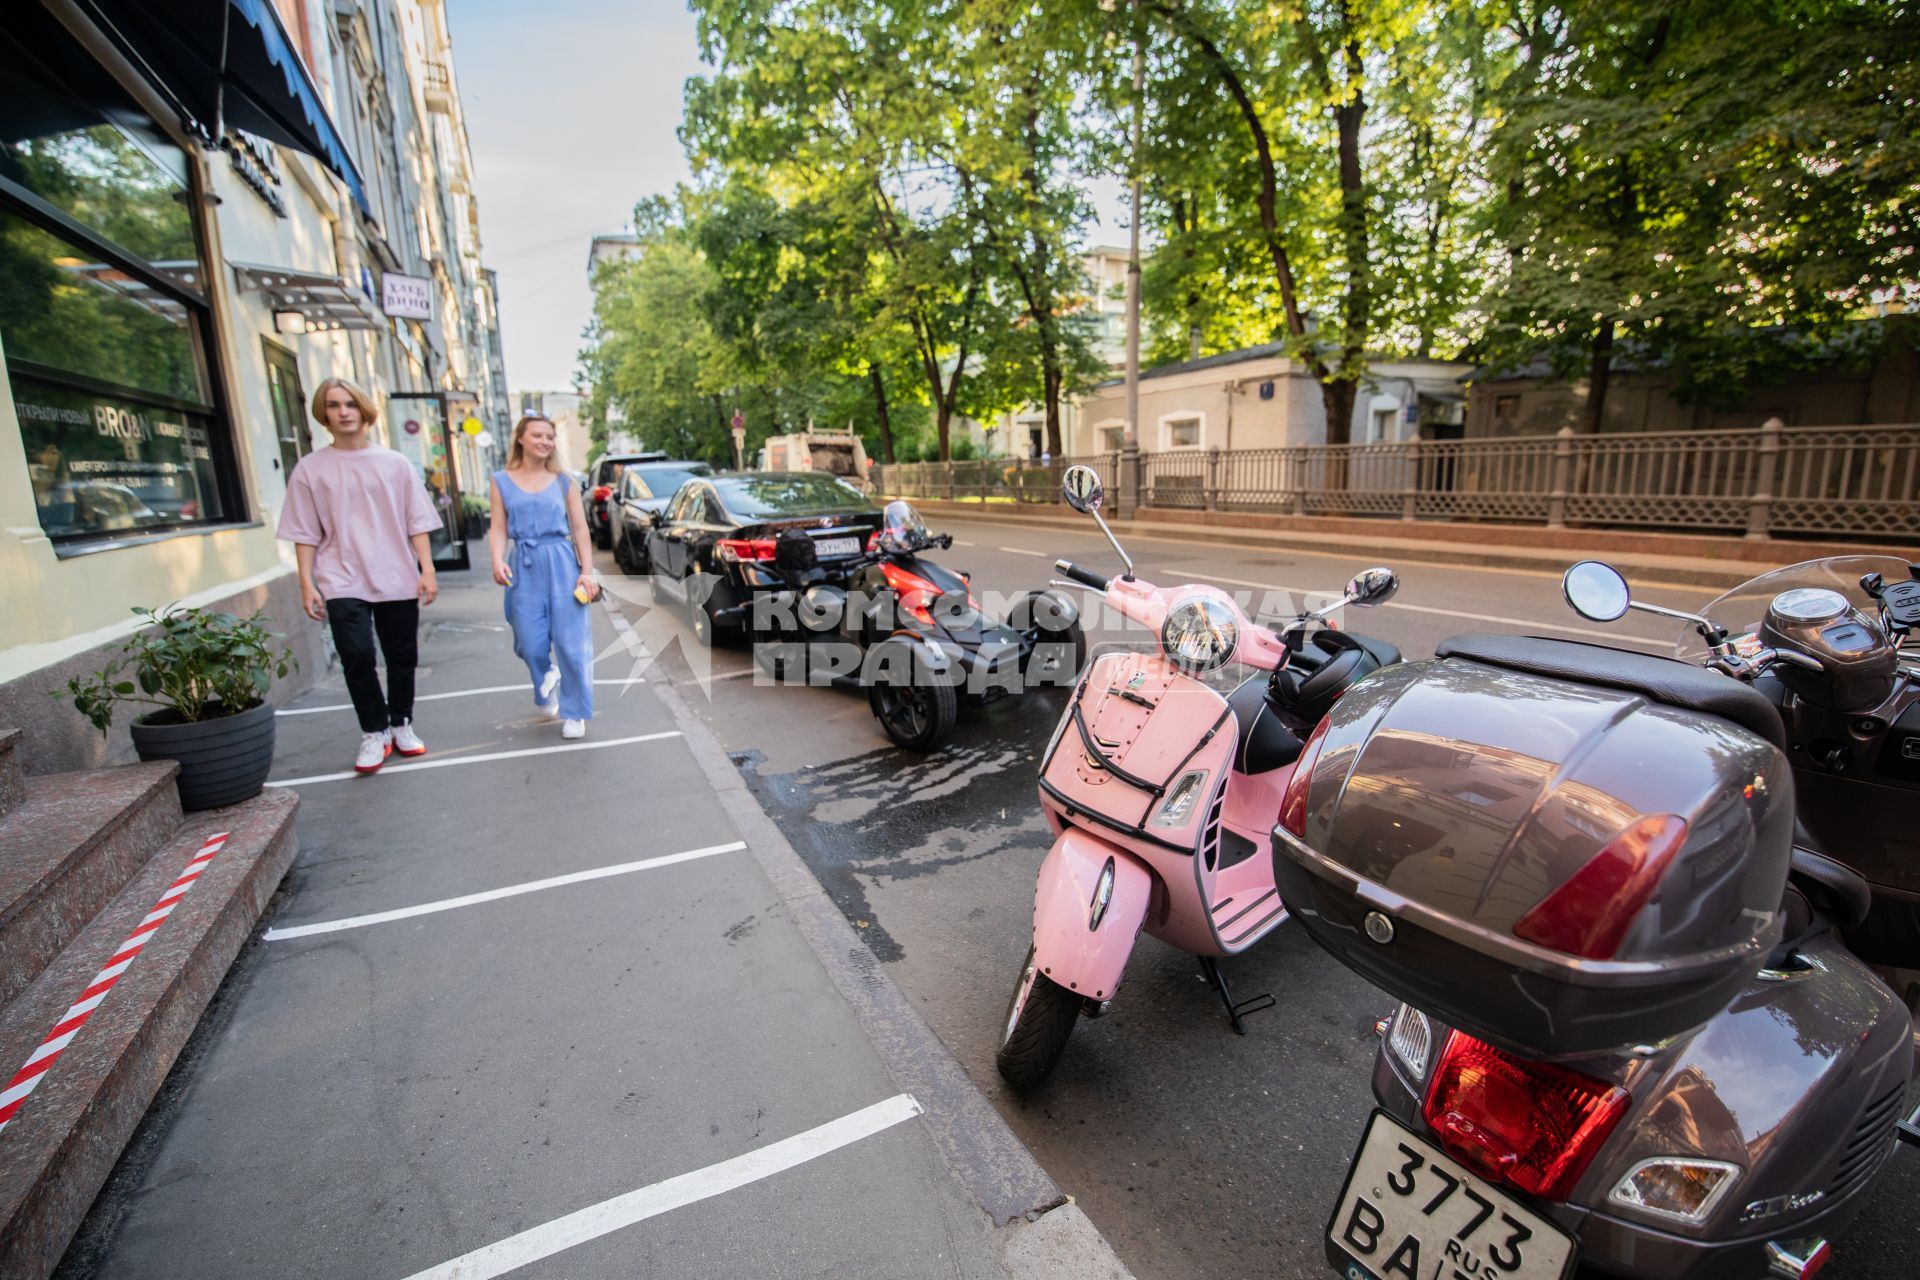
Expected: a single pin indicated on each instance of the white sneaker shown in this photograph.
(406, 741)
(574, 729)
(550, 700)
(374, 749)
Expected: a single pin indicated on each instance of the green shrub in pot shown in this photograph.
(206, 676)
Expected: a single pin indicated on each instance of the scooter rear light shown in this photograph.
(1531, 1125)
(1293, 801)
(735, 550)
(601, 492)
(1589, 914)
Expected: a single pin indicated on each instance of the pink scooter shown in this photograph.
(1161, 792)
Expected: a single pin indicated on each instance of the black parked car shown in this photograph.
(715, 546)
(596, 489)
(644, 490)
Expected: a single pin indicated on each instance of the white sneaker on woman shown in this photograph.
(549, 700)
(374, 748)
(574, 729)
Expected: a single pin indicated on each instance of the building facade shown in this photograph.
(1259, 398)
(205, 212)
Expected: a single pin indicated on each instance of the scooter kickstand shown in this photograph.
(1210, 969)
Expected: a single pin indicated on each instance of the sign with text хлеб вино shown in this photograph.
(407, 297)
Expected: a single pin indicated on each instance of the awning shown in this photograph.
(229, 63)
(326, 302)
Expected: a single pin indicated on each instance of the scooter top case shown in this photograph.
(1559, 848)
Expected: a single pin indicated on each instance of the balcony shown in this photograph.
(437, 87)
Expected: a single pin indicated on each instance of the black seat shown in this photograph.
(1667, 681)
(1836, 891)
(1265, 743)
(1381, 651)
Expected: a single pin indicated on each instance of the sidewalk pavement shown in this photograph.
(1646, 557)
(562, 1009)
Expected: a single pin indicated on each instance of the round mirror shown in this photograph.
(1373, 586)
(1596, 591)
(1081, 488)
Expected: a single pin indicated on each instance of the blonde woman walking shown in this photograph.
(549, 576)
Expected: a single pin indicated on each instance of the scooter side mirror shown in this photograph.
(1082, 489)
(1596, 591)
(1372, 586)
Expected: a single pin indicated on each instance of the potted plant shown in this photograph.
(476, 514)
(207, 674)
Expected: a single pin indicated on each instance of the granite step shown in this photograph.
(11, 791)
(67, 848)
(59, 1148)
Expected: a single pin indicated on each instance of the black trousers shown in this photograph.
(397, 624)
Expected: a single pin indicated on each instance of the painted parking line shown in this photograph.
(662, 1197)
(494, 895)
(451, 761)
(522, 687)
(1201, 575)
(1022, 551)
(961, 542)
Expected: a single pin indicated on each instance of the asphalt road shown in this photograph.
(1196, 1152)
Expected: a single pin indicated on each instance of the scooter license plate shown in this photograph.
(1409, 1210)
(827, 548)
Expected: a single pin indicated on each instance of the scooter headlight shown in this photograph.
(1677, 1188)
(1200, 633)
(1411, 1040)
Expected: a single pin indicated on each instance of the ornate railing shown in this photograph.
(1852, 482)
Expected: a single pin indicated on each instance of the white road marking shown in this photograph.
(450, 761)
(961, 542)
(493, 895)
(431, 697)
(729, 675)
(1201, 575)
(637, 1206)
(1022, 551)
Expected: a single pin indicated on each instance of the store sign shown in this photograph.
(407, 297)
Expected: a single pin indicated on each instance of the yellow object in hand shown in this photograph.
(580, 594)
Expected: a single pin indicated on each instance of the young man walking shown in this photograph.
(359, 517)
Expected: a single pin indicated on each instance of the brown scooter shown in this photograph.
(1640, 1032)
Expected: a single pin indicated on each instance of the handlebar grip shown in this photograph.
(1085, 577)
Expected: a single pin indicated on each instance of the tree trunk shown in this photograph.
(880, 413)
(1599, 374)
(1055, 445)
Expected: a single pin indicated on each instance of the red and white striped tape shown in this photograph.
(28, 1077)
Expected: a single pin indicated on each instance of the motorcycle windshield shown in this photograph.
(1741, 610)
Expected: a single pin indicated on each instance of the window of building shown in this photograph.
(1181, 433)
(1381, 428)
(103, 314)
(1111, 439)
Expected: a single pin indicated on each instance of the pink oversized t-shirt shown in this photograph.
(358, 507)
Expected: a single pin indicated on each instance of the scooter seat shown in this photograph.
(1265, 743)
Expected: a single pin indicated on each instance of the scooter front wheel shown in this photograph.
(1040, 1017)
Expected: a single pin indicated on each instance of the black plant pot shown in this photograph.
(222, 761)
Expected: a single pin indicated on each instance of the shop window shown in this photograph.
(103, 318)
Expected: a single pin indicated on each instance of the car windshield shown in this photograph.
(1740, 610)
(789, 494)
(660, 482)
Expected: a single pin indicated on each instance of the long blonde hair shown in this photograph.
(517, 453)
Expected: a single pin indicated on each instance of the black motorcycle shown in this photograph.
(911, 633)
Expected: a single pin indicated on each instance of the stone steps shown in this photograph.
(84, 857)
(66, 849)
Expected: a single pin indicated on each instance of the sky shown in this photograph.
(572, 110)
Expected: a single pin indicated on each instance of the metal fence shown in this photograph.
(1853, 482)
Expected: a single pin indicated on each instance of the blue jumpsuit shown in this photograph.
(550, 627)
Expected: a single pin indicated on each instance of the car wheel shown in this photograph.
(622, 557)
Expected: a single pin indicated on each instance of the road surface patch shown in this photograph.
(29, 1076)
(662, 1197)
(494, 895)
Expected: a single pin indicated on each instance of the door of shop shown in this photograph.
(289, 405)
(419, 433)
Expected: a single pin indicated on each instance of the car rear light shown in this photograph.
(873, 540)
(1589, 914)
(1679, 1188)
(734, 550)
(1293, 802)
(1531, 1125)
